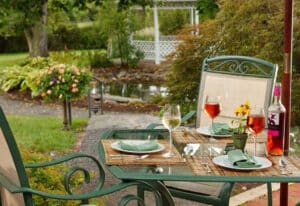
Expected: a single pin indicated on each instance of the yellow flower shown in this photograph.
(49, 91)
(241, 111)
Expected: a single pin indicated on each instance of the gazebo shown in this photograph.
(158, 49)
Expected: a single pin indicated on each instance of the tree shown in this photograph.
(118, 22)
(207, 9)
(30, 18)
(250, 28)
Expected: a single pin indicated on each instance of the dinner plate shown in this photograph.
(207, 131)
(115, 145)
(223, 161)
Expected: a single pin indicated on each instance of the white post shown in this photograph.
(192, 16)
(156, 35)
(197, 21)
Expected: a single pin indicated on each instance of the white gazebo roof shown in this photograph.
(176, 4)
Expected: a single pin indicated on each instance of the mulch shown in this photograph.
(108, 106)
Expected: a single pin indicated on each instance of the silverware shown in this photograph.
(283, 164)
(137, 157)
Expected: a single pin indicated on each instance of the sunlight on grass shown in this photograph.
(42, 133)
(11, 59)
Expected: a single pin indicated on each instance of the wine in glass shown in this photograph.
(212, 108)
(171, 120)
(256, 123)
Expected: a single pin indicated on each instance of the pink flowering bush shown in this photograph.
(62, 82)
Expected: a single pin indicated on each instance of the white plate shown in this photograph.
(206, 131)
(115, 145)
(223, 161)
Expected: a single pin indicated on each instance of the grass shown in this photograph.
(11, 59)
(44, 133)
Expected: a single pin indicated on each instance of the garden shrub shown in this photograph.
(99, 58)
(61, 82)
(50, 179)
(77, 57)
(170, 21)
(19, 77)
(45, 77)
(74, 38)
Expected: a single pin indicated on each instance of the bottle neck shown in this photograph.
(277, 100)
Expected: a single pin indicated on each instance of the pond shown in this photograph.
(140, 91)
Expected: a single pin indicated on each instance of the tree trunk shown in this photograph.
(37, 37)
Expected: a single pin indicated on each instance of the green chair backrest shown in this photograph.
(235, 79)
(11, 166)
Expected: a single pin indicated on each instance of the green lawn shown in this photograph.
(11, 59)
(44, 133)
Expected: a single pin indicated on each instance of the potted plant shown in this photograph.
(240, 134)
(62, 82)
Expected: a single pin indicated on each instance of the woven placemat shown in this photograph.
(192, 136)
(200, 169)
(114, 157)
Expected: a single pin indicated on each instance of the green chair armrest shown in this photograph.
(73, 169)
(60, 160)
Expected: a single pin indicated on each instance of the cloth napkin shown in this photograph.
(221, 128)
(138, 145)
(242, 160)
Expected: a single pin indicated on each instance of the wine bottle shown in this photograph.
(276, 124)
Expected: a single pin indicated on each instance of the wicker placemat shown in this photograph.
(200, 169)
(192, 136)
(114, 157)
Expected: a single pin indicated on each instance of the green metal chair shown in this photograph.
(236, 79)
(14, 184)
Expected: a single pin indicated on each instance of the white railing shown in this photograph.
(166, 47)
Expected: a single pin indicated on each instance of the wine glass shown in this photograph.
(212, 108)
(256, 123)
(171, 120)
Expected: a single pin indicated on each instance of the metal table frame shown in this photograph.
(120, 174)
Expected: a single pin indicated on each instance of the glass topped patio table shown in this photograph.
(182, 166)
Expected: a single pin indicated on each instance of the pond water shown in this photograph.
(134, 90)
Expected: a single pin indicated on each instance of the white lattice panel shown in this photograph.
(166, 47)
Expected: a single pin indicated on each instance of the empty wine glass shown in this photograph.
(171, 119)
(212, 108)
(256, 123)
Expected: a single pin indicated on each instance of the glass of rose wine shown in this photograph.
(171, 120)
(212, 108)
(256, 123)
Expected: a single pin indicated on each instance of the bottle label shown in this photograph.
(273, 124)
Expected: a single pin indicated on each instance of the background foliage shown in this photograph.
(250, 28)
